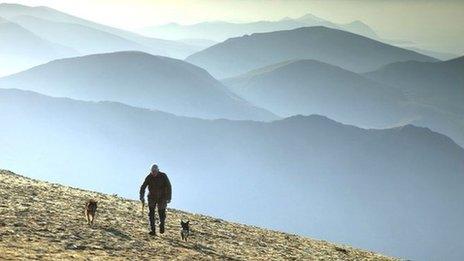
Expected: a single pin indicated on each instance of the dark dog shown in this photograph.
(90, 211)
(185, 232)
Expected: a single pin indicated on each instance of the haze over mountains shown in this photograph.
(307, 87)
(220, 31)
(236, 146)
(349, 51)
(440, 84)
(311, 87)
(84, 37)
(398, 186)
(438, 88)
(138, 79)
(439, 55)
(20, 48)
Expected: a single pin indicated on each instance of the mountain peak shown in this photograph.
(357, 22)
(309, 17)
(313, 120)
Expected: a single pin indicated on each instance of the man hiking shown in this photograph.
(159, 195)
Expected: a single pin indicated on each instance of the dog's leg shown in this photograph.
(94, 215)
(87, 214)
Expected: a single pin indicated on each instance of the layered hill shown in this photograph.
(440, 84)
(311, 87)
(20, 48)
(431, 98)
(138, 79)
(59, 27)
(220, 31)
(42, 220)
(347, 50)
(437, 87)
(86, 40)
(393, 191)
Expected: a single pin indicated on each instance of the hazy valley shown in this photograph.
(307, 126)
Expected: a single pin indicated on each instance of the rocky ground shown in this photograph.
(40, 220)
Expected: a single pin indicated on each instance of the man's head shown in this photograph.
(154, 169)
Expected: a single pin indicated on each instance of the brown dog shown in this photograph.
(90, 211)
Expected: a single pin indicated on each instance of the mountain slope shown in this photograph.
(200, 43)
(44, 220)
(154, 46)
(349, 51)
(437, 89)
(439, 55)
(20, 48)
(311, 87)
(138, 79)
(439, 84)
(220, 31)
(84, 39)
(394, 191)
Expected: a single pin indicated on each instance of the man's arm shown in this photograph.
(168, 190)
(142, 189)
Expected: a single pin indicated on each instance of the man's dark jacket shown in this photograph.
(159, 188)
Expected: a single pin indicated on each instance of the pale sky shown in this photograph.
(437, 24)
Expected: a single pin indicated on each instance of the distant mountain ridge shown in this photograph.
(80, 35)
(440, 84)
(437, 87)
(138, 79)
(220, 30)
(431, 98)
(311, 87)
(157, 46)
(20, 48)
(85, 39)
(349, 51)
